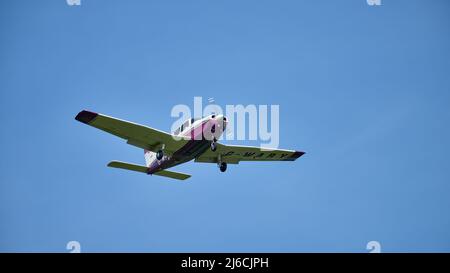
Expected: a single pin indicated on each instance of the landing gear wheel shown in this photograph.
(213, 146)
(159, 155)
(223, 166)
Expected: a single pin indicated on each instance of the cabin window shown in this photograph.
(185, 125)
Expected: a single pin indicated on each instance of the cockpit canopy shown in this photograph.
(185, 125)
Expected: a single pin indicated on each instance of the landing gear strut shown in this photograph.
(223, 166)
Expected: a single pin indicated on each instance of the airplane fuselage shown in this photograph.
(200, 135)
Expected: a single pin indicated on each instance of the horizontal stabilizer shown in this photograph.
(174, 175)
(143, 169)
(127, 166)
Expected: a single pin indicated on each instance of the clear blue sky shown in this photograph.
(365, 91)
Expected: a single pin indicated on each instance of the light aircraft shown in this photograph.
(194, 139)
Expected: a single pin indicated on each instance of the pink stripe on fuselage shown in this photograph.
(196, 133)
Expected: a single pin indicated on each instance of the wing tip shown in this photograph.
(86, 116)
(295, 155)
(111, 163)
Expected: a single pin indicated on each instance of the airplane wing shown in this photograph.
(234, 154)
(135, 134)
(143, 169)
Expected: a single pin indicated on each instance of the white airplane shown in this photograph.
(195, 139)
